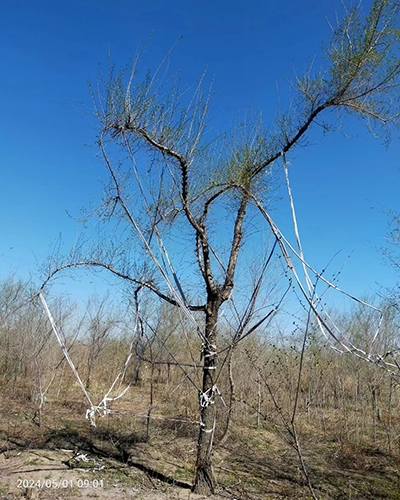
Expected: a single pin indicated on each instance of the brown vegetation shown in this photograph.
(347, 421)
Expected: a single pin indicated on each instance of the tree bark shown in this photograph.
(205, 481)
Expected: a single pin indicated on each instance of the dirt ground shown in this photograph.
(56, 474)
(64, 458)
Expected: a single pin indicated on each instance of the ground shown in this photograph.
(65, 458)
(46, 474)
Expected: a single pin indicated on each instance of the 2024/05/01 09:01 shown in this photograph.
(62, 483)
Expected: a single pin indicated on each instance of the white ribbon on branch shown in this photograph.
(90, 412)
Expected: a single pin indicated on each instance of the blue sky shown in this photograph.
(50, 49)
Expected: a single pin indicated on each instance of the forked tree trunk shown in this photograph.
(205, 482)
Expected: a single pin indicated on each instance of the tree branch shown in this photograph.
(148, 284)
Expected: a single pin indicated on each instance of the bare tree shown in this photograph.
(99, 329)
(179, 189)
(14, 296)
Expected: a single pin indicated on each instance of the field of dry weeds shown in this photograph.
(66, 458)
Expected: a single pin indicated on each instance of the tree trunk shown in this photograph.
(205, 482)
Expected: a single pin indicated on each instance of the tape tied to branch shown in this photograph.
(207, 398)
(208, 350)
(90, 413)
(207, 431)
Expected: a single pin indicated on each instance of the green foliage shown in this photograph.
(364, 65)
(149, 111)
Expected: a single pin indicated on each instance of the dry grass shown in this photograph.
(254, 463)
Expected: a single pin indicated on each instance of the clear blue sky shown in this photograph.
(49, 49)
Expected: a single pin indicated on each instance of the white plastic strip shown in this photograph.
(90, 413)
